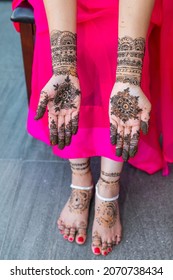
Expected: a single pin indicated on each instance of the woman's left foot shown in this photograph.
(107, 228)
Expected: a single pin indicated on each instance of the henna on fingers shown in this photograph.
(61, 135)
(53, 133)
(41, 109)
(134, 144)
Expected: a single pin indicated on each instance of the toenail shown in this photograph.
(105, 253)
(96, 250)
(65, 237)
(71, 239)
(80, 239)
(109, 250)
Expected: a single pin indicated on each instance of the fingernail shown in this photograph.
(67, 141)
(125, 155)
(113, 140)
(61, 145)
(36, 118)
(119, 152)
(97, 250)
(71, 239)
(74, 130)
(132, 152)
(144, 127)
(80, 239)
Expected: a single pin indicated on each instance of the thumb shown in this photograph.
(43, 101)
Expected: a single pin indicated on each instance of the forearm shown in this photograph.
(61, 16)
(134, 18)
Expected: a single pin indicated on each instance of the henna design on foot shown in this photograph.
(113, 174)
(79, 201)
(106, 214)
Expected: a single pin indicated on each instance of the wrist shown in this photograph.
(130, 60)
(63, 50)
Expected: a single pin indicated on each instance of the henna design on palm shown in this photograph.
(125, 106)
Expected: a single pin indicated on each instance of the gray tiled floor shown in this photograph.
(34, 184)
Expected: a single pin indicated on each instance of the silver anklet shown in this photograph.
(81, 188)
(104, 198)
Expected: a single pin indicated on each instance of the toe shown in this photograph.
(66, 233)
(104, 248)
(118, 239)
(110, 245)
(81, 236)
(61, 226)
(96, 244)
(72, 234)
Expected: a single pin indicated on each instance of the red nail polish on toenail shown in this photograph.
(65, 237)
(80, 239)
(109, 250)
(96, 250)
(71, 239)
(105, 253)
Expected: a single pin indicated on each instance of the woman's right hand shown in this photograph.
(62, 97)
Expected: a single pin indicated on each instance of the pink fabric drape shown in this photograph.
(97, 24)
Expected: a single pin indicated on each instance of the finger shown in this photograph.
(113, 132)
(68, 130)
(126, 144)
(134, 141)
(53, 129)
(43, 101)
(119, 145)
(145, 116)
(61, 132)
(75, 119)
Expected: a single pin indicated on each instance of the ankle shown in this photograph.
(108, 190)
(80, 179)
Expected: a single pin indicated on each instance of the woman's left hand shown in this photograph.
(129, 111)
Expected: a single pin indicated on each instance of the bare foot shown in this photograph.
(73, 219)
(107, 228)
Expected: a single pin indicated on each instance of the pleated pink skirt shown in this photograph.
(97, 30)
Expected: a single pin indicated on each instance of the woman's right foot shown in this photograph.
(73, 219)
(107, 229)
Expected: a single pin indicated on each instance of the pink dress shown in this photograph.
(97, 26)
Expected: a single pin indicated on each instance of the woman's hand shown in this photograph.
(129, 111)
(62, 96)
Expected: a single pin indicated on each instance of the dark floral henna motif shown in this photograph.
(63, 48)
(130, 60)
(79, 201)
(125, 106)
(65, 96)
(106, 214)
